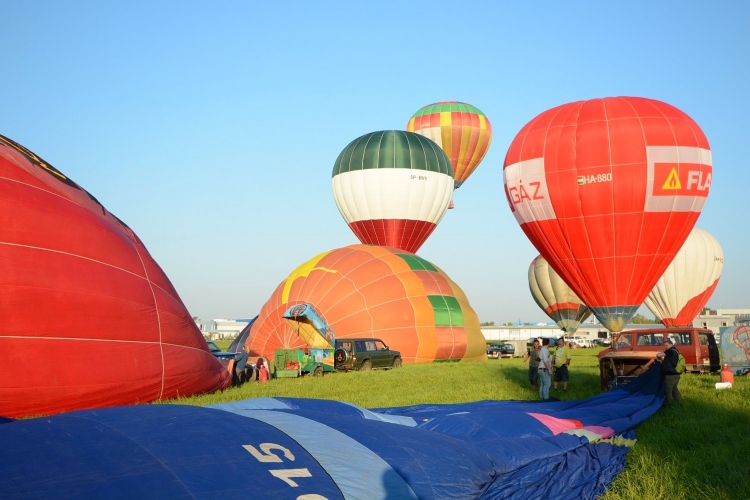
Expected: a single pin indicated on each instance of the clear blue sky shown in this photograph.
(211, 128)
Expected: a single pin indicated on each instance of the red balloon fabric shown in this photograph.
(89, 319)
(608, 190)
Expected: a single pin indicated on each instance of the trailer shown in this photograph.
(317, 357)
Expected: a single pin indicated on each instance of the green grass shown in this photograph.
(696, 451)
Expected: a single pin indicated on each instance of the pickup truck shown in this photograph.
(632, 352)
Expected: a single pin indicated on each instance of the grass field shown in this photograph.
(700, 450)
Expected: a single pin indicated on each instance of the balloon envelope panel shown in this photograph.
(462, 130)
(689, 281)
(89, 318)
(375, 292)
(608, 190)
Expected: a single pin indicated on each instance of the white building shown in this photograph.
(721, 317)
(713, 321)
(528, 332)
(221, 328)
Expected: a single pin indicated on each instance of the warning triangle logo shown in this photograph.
(673, 180)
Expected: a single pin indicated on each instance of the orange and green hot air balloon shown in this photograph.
(462, 130)
(375, 292)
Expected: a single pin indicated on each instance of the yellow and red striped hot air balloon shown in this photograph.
(460, 129)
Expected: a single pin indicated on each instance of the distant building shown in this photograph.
(222, 328)
(715, 319)
(518, 330)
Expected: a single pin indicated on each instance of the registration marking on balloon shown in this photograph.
(592, 179)
(266, 455)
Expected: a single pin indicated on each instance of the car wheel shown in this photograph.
(340, 356)
(397, 362)
(366, 365)
(318, 372)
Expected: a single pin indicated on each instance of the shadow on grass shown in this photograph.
(698, 450)
(583, 384)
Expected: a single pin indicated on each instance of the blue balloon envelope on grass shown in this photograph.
(308, 449)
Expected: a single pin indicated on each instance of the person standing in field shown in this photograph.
(239, 367)
(561, 359)
(532, 356)
(669, 359)
(545, 367)
(262, 370)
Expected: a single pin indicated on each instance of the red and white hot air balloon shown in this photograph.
(555, 297)
(608, 190)
(687, 284)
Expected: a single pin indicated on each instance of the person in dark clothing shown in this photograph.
(240, 362)
(669, 359)
(532, 356)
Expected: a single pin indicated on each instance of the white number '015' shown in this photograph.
(266, 455)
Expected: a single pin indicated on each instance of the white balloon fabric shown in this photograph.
(555, 297)
(689, 281)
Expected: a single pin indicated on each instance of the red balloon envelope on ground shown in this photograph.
(608, 190)
(88, 318)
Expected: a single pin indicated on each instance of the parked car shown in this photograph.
(216, 351)
(578, 341)
(500, 350)
(365, 354)
(632, 352)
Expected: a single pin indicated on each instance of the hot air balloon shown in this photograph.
(608, 190)
(462, 130)
(376, 292)
(555, 297)
(687, 284)
(392, 188)
(89, 319)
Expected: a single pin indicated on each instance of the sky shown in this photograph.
(211, 128)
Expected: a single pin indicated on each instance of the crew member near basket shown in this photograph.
(669, 359)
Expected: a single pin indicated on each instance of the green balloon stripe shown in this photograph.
(452, 106)
(392, 149)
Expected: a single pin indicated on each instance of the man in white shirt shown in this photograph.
(545, 368)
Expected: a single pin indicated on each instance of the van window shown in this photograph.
(371, 345)
(703, 338)
(623, 340)
(361, 345)
(649, 339)
(681, 338)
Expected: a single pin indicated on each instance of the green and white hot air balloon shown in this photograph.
(392, 187)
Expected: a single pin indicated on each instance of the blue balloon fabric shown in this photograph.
(308, 449)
